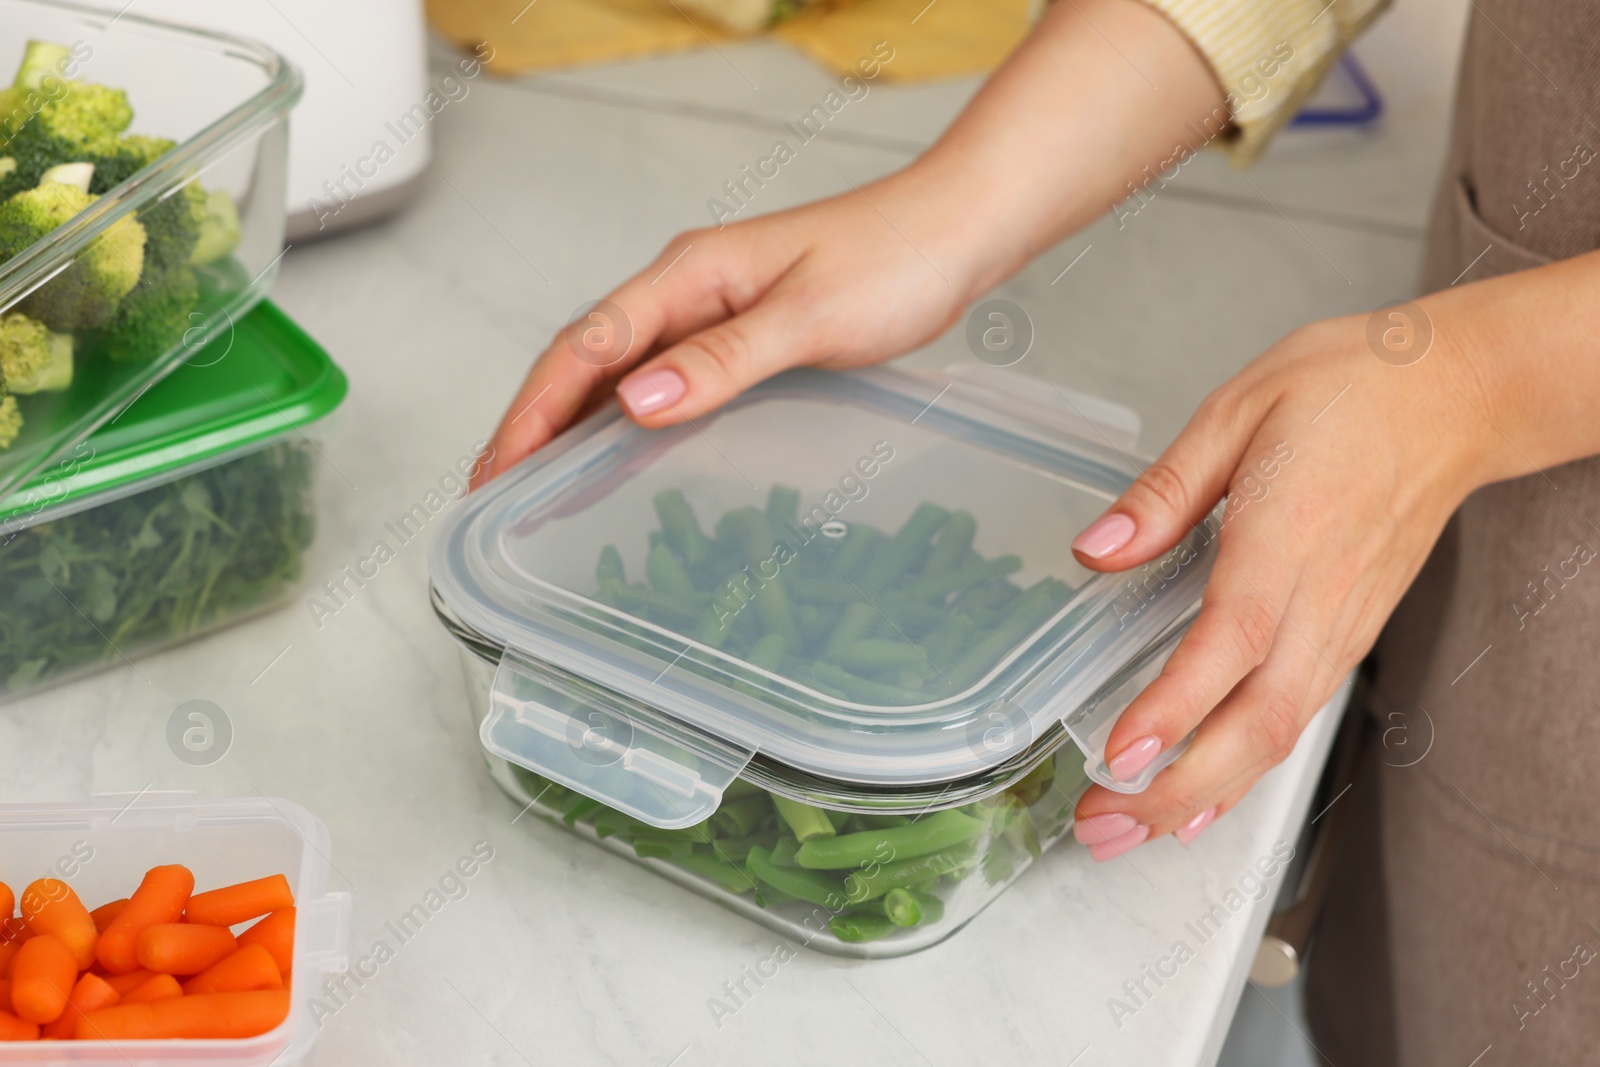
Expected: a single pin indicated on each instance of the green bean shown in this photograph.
(883, 822)
(862, 690)
(1033, 607)
(813, 887)
(861, 926)
(610, 569)
(900, 551)
(716, 870)
(767, 897)
(931, 833)
(987, 595)
(828, 592)
(735, 849)
(662, 848)
(864, 885)
(943, 583)
(854, 552)
(814, 623)
(611, 821)
(748, 528)
(741, 816)
(581, 810)
(806, 821)
(905, 907)
(908, 615)
(955, 538)
(768, 652)
(853, 624)
(783, 506)
(953, 636)
(680, 528)
(874, 655)
(783, 852)
(666, 572)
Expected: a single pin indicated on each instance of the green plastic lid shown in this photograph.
(254, 382)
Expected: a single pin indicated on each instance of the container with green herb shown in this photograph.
(192, 510)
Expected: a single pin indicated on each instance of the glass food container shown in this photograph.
(102, 848)
(824, 655)
(167, 217)
(192, 510)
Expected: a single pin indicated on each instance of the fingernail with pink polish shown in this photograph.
(1191, 829)
(1104, 536)
(1117, 846)
(1098, 829)
(1135, 758)
(648, 393)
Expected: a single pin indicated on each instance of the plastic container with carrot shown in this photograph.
(165, 928)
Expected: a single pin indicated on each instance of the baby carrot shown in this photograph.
(127, 983)
(14, 1029)
(103, 915)
(90, 994)
(252, 967)
(183, 948)
(235, 904)
(204, 1015)
(49, 906)
(160, 898)
(160, 987)
(41, 979)
(5, 994)
(275, 933)
(8, 901)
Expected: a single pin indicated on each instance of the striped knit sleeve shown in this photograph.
(1268, 55)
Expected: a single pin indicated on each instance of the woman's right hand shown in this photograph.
(848, 281)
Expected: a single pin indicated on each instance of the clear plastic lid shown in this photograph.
(866, 577)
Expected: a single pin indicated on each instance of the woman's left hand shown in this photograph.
(1341, 470)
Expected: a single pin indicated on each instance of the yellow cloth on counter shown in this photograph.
(941, 39)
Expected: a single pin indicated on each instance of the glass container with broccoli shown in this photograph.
(134, 225)
(824, 655)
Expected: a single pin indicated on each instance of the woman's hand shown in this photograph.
(840, 283)
(1341, 470)
(1068, 126)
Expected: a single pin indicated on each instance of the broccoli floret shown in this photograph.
(125, 157)
(219, 233)
(9, 182)
(153, 317)
(86, 294)
(32, 359)
(172, 225)
(45, 120)
(10, 421)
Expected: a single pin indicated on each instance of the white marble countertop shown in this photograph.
(544, 194)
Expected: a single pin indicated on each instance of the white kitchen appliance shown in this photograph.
(365, 68)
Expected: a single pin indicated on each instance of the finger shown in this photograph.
(1240, 615)
(1179, 489)
(684, 290)
(714, 365)
(1253, 730)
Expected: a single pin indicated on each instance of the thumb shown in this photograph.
(1176, 492)
(709, 368)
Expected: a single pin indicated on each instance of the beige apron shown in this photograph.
(1465, 920)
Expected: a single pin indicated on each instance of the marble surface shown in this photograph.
(546, 192)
